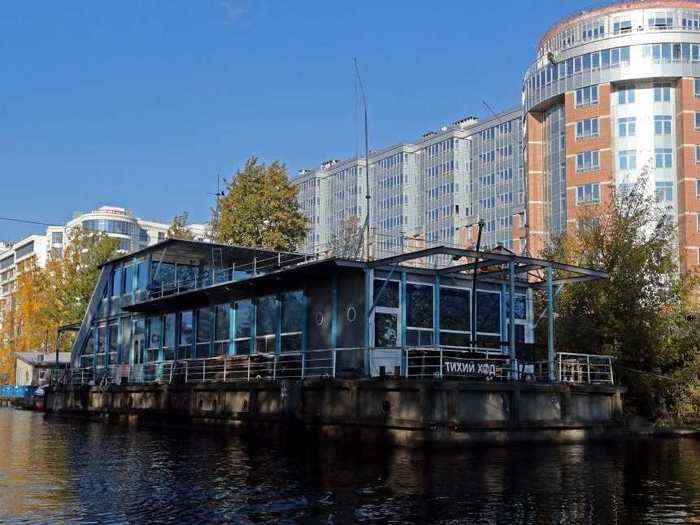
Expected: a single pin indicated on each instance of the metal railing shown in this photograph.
(443, 362)
(584, 369)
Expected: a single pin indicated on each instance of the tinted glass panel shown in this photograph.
(389, 296)
(266, 315)
(488, 312)
(420, 306)
(385, 330)
(293, 311)
(454, 309)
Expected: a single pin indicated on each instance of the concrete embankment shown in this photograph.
(414, 413)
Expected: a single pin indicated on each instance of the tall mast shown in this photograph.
(368, 197)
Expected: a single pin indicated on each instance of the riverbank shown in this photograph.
(398, 412)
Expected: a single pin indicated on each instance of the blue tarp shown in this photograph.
(17, 390)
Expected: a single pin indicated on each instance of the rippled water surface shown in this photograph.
(60, 470)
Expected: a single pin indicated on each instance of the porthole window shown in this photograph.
(351, 314)
(319, 318)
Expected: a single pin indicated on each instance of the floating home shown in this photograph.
(192, 311)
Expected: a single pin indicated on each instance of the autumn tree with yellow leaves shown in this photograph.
(50, 297)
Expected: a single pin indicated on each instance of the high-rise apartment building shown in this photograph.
(614, 93)
(431, 191)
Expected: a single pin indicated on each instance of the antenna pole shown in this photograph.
(368, 197)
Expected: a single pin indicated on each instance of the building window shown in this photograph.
(587, 160)
(455, 316)
(664, 191)
(161, 236)
(588, 193)
(664, 157)
(660, 20)
(697, 88)
(627, 160)
(697, 154)
(587, 128)
(57, 237)
(622, 26)
(587, 96)
(627, 127)
(419, 315)
(662, 124)
(662, 92)
(625, 95)
(697, 120)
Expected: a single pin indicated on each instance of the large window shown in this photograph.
(204, 332)
(697, 121)
(662, 92)
(244, 319)
(112, 343)
(588, 193)
(697, 154)
(221, 329)
(626, 95)
(587, 128)
(128, 274)
(265, 321)
(586, 96)
(101, 346)
(109, 226)
(293, 306)
(627, 160)
(664, 157)
(154, 329)
(184, 350)
(664, 191)
(389, 295)
(455, 316)
(627, 126)
(169, 337)
(126, 340)
(117, 282)
(488, 312)
(587, 160)
(662, 124)
(419, 315)
(142, 280)
(139, 340)
(697, 87)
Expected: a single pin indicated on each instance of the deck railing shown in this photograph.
(441, 362)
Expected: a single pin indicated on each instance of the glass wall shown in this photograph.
(154, 328)
(221, 329)
(419, 314)
(455, 316)
(204, 332)
(169, 337)
(266, 319)
(243, 327)
(292, 321)
(184, 350)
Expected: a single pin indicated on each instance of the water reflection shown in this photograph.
(59, 470)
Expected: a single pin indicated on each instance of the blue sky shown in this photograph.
(143, 103)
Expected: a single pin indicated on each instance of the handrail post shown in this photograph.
(441, 362)
(588, 366)
(186, 370)
(610, 367)
(302, 365)
(248, 367)
(224, 369)
(334, 350)
(274, 366)
(204, 370)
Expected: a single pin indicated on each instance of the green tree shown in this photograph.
(641, 313)
(178, 228)
(260, 208)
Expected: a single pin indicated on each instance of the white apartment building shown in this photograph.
(133, 233)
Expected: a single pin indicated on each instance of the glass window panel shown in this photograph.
(419, 306)
(143, 275)
(186, 333)
(293, 306)
(222, 322)
(390, 294)
(139, 340)
(266, 315)
(488, 312)
(385, 330)
(204, 325)
(128, 279)
(169, 340)
(154, 332)
(454, 309)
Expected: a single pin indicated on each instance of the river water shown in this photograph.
(55, 470)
